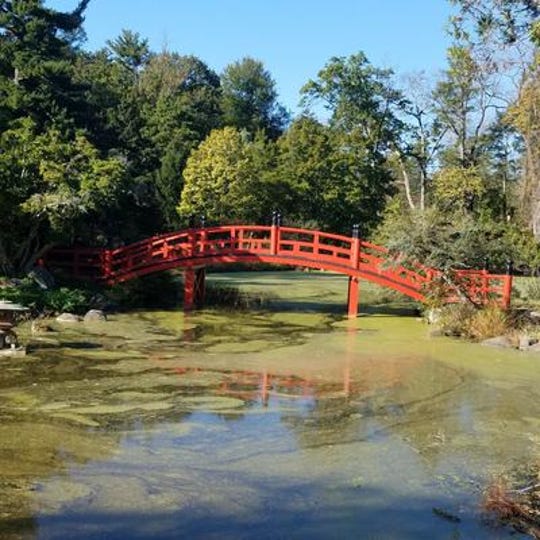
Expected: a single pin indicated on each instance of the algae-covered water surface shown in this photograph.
(288, 422)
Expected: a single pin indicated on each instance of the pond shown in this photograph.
(287, 422)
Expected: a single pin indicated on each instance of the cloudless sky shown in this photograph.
(294, 38)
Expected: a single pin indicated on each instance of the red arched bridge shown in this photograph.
(195, 248)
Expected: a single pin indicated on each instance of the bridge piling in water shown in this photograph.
(353, 290)
(194, 287)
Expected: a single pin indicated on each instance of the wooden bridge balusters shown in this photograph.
(353, 292)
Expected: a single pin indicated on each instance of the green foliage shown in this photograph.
(130, 50)
(329, 178)
(360, 99)
(63, 299)
(531, 289)
(447, 241)
(72, 178)
(37, 52)
(249, 99)
(458, 188)
(224, 178)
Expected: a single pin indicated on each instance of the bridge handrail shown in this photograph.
(289, 245)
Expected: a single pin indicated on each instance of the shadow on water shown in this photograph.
(277, 514)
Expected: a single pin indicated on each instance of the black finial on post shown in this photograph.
(485, 261)
(274, 218)
(279, 220)
(509, 267)
(356, 230)
(203, 221)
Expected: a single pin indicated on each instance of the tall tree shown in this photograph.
(249, 99)
(224, 178)
(180, 106)
(514, 25)
(131, 50)
(51, 174)
(37, 54)
(329, 179)
(360, 98)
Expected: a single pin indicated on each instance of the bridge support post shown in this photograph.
(194, 287)
(352, 297)
(274, 232)
(189, 289)
(507, 286)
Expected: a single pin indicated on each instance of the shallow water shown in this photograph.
(286, 423)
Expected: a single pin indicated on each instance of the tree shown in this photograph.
(513, 25)
(415, 153)
(466, 100)
(224, 178)
(360, 98)
(130, 50)
(329, 179)
(524, 115)
(37, 54)
(509, 20)
(249, 99)
(180, 98)
(48, 182)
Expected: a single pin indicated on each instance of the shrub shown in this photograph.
(468, 321)
(454, 319)
(488, 322)
(29, 294)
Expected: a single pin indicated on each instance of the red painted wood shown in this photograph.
(189, 288)
(192, 248)
(352, 297)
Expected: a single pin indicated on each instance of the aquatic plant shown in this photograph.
(518, 507)
(217, 294)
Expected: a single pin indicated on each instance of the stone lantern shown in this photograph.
(8, 339)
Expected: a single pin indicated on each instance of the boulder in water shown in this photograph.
(95, 315)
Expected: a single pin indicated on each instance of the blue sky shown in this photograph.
(294, 38)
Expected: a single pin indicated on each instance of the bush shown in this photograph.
(488, 322)
(454, 319)
(29, 294)
(447, 241)
(467, 321)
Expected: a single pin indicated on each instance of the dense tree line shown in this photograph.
(113, 145)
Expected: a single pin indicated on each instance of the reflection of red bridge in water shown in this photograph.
(195, 248)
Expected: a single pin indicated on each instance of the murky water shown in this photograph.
(288, 423)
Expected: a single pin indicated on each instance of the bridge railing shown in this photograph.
(290, 245)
